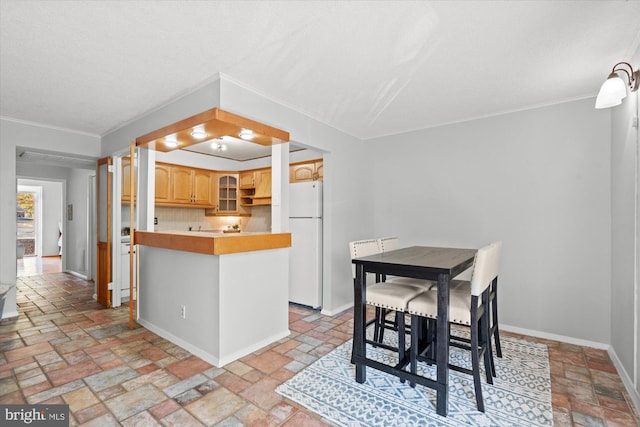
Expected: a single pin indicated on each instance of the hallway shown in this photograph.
(35, 265)
(65, 348)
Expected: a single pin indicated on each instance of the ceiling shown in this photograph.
(42, 157)
(367, 68)
(231, 148)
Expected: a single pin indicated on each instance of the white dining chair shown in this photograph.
(464, 284)
(465, 308)
(385, 298)
(391, 244)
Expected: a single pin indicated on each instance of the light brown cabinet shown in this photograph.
(307, 171)
(227, 202)
(319, 170)
(247, 180)
(255, 188)
(184, 186)
(163, 183)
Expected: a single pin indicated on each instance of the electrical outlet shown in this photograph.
(183, 311)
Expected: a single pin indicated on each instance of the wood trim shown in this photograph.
(216, 123)
(251, 242)
(304, 162)
(103, 267)
(214, 245)
(132, 191)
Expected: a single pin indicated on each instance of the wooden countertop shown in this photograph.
(213, 243)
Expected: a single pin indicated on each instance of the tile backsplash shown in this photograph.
(180, 219)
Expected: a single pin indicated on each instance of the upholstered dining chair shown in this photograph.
(385, 297)
(387, 244)
(465, 308)
(494, 328)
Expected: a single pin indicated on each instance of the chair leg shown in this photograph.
(382, 327)
(475, 363)
(413, 351)
(485, 348)
(494, 323)
(485, 336)
(490, 352)
(431, 338)
(401, 335)
(378, 321)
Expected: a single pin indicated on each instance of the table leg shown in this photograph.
(442, 350)
(359, 322)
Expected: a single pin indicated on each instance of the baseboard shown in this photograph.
(254, 347)
(554, 337)
(626, 379)
(336, 311)
(208, 357)
(9, 315)
(80, 275)
(624, 376)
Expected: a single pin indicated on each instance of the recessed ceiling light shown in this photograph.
(246, 134)
(171, 143)
(198, 134)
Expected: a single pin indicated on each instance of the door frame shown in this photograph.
(103, 248)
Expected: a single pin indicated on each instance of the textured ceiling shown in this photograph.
(367, 68)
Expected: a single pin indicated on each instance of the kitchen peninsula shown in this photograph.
(218, 295)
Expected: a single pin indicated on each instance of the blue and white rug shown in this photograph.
(520, 395)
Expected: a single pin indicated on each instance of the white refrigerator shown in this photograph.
(305, 259)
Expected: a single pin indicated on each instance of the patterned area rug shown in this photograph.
(520, 395)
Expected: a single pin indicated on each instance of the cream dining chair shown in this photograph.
(464, 284)
(384, 297)
(465, 308)
(387, 244)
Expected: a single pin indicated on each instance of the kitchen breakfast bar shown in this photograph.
(220, 296)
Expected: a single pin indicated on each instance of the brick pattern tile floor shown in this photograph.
(65, 348)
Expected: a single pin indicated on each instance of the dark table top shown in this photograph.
(429, 260)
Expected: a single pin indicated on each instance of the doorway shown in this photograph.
(28, 219)
(39, 226)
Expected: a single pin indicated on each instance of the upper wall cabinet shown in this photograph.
(307, 171)
(163, 183)
(183, 186)
(255, 188)
(227, 194)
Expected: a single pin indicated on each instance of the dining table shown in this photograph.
(437, 264)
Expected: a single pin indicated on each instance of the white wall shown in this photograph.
(625, 246)
(347, 210)
(14, 134)
(75, 192)
(347, 213)
(77, 229)
(52, 193)
(193, 103)
(538, 180)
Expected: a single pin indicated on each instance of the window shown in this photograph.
(25, 221)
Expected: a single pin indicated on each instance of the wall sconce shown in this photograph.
(614, 89)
